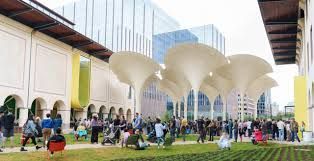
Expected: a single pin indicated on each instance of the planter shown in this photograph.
(307, 136)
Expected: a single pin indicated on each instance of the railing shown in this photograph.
(49, 12)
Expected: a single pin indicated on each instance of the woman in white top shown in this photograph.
(159, 128)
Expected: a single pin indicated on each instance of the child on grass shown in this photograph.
(224, 142)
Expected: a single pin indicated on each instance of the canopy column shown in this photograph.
(195, 104)
(179, 108)
(242, 106)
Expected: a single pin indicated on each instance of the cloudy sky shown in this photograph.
(241, 23)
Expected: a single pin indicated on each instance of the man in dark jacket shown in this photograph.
(201, 129)
(8, 127)
(56, 138)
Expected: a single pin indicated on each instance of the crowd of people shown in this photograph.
(45, 130)
(49, 129)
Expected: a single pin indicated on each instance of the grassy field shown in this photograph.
(70, 140)
(178, 152)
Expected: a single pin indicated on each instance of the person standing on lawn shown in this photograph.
(241, 130)
(159, 129)
(178, 125)
(294, 130)
(149, 125)
(94, 125)
(8, 127)
(249, 127)
(201, 130)
(57, 122)
(211, 130)
(138, 122)
(184, 124)
(281, 128)
(173, 128)
(264, 129)
(30, 132)
(230, 125)
(116, 124)
(235, 130)
(39, 129)
(275, 130)
(47, 126)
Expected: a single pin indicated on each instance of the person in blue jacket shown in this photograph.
(57, 122)
(47, 126)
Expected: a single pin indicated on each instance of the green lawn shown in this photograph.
(70, 139)
(178, 152)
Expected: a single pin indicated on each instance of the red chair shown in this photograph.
(259, 137)
(55, 147)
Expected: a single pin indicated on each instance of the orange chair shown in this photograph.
(55, 147)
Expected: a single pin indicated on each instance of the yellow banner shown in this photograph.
(80, 82)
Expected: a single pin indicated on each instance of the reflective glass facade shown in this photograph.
(119, 24)
(207, 34)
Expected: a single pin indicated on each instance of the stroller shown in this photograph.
(110, 136)
(151, 137)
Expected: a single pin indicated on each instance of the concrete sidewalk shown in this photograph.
(87, 146)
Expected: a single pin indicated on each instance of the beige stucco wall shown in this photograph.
(34, 65)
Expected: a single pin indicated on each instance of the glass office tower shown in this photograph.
(119, 24)
(124, 25)
(207, 34)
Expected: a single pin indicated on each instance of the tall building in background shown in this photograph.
(124, 25)
(275, 109)
(249, 107)
(264, 107)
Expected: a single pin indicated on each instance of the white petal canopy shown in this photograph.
(180, 80)
(259, 86)
(223, 86)
(195, 61)
(172, 90)
(211, 93)
(133, 69)
(242, 70)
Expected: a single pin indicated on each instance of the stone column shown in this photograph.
(66, 117)
(23, 116)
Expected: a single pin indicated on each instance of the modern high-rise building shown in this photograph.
(264, 108)
(249, 107)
